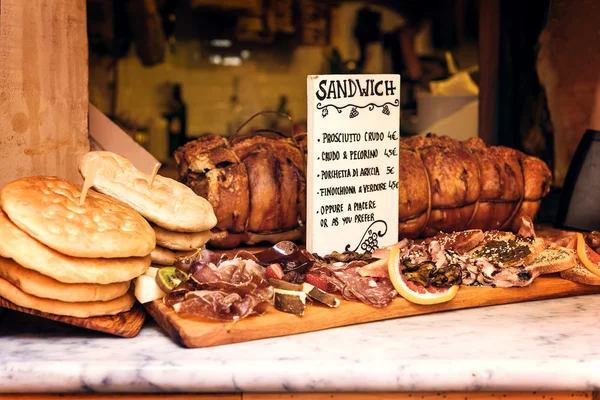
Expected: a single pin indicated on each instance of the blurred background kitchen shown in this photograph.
(517, 73)
(187, 67)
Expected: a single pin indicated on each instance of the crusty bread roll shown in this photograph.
(39, 285)
(163, 256)
(179, 240)
(47, 208)
(31, 254)
(56, 307)
(168, 203)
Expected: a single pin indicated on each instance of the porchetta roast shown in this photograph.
(257, 186)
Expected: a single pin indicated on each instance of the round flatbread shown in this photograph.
(169, 204)
(31, 254)
(56, 307)
(163, 256)
(48, 209)
(180, 241)
(39, 285)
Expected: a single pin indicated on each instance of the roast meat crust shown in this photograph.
(257, 186)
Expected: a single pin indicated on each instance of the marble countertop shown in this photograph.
(543, 345)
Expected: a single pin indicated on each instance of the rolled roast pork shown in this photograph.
(257, 186)
(447, 186)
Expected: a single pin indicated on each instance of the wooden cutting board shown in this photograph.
(126, 324)
(197, 332)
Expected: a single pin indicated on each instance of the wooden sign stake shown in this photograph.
(153, 176)
(90, 176)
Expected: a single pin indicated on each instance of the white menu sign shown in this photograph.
(353, 139)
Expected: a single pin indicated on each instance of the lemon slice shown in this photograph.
(589, 258)
(409, 294)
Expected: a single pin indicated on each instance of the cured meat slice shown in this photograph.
(562, 239)
(481, 272)
(230, 291)
(220, 305)
(345, 277)
(485, 269)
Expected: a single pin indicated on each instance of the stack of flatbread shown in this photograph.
(181, 219)
(63, 258)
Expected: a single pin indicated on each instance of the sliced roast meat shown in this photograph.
(515, 277)
(474, 270)
(563, 239)
(526, 228)
(383, 252)
(481, 272)
(460, 242)
(376, 269)
(438, 256)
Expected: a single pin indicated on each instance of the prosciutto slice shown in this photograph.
(220, 305)
(347, 280)
(232, 290)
